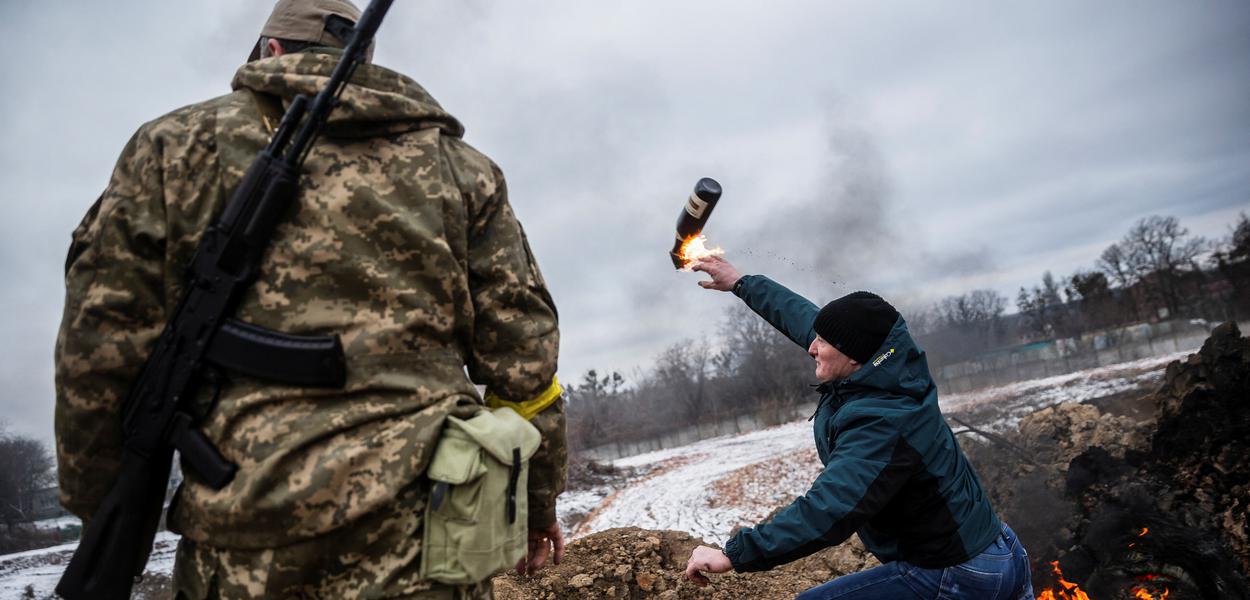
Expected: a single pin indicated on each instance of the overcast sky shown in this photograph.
(916, 149)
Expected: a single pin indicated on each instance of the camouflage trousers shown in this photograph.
(376, 557)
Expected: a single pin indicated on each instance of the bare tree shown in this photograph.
(764, 366)
(965, 325)
(1043, 309)
(594, 408)
(1152, 260)
(1239, 240)
(921, 320)
(683, 370)
(978, 310)
(1157, 250)
(1115, 265)
(25, 468)
(1161, 244)
(1232, 261)
(1236, 247)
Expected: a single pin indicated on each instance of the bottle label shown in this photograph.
(696, 206)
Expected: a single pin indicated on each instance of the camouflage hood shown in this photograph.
(378, 100)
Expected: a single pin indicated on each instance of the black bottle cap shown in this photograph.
(707, 189)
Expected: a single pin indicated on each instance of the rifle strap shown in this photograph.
(270, 109)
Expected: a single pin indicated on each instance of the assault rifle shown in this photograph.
(200, 337)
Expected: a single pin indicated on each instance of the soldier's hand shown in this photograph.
(724, 274)
(707, 559)
(542, 543)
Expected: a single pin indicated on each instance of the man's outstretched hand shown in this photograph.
(706, 559)
(542, 542)
(724, 274)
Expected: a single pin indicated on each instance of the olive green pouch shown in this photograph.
(476, 518)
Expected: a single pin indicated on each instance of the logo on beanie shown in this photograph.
(876, 362)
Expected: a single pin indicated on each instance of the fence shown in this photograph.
(1067, 355)
(702, 431)
(1020, 363)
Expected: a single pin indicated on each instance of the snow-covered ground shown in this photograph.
(58, 523)
(709, 487)
(1001, 408)
(706, 488)
(682, 493)
(33, 574)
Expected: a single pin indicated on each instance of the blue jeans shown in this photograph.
(1001, 572)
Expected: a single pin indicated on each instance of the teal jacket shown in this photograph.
(893, 472)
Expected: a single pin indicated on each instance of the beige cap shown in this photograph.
(305, 21)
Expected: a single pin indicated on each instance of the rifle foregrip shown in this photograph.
(208, 464)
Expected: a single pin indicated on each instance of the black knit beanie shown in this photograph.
(856, 324)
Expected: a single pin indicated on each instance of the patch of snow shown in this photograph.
(62, 522)
(573, 506)
(1007, 404)
(681, 498)
(39, 570)
(698, 494)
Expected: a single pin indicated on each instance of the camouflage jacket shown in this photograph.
(404, 244)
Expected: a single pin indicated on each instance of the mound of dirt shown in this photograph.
(1204, 434)
(1055, 435)
(1026, 478)
(1176, 512)
(639, 563)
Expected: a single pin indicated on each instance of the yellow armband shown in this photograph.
(531, 407)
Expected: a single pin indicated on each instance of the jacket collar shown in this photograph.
(898, 367)
(376, 97)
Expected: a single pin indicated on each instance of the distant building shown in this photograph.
(43, 504)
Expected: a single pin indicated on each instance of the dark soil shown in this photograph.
(586, 473)
(1136, 488)
(1137, 405)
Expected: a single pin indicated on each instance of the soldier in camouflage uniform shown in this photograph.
(404, 245)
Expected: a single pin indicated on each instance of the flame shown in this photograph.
(1140, 592)
(1069, 591)
(695, 248)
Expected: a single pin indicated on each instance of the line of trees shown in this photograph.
(1157, 270)
(25, 469)
(746, 368)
